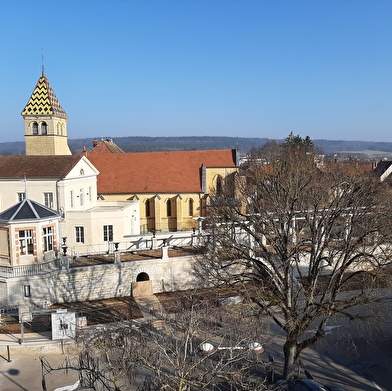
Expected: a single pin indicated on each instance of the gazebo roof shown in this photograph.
(27, 210)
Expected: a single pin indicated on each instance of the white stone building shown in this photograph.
(68, 185)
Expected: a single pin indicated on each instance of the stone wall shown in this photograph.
(47, 145)
(97, 282)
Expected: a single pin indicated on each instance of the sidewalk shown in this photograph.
(24, 370)
(20, 365)
(29, 339)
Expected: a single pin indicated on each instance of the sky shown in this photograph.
(243, 68)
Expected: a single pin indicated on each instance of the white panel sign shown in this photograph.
(63, 325)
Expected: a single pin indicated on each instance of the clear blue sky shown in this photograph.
(203, 67)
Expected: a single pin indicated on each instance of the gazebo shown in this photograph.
(28, 234)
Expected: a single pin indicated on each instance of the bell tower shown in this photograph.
(45, 122)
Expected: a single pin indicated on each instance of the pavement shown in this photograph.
(21, 367)
(353, 357)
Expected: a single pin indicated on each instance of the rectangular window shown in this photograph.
(26, 245)
(4, 245)
(26, 291)
(81, 197)
(48, 239)
(21, 196)
(48, 199)
(79, 234)
(71, 198)
(108, 233)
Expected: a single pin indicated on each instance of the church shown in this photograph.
(173, 188)
(55, 204)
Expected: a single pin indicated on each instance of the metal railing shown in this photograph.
(137, 242)
(29, 270)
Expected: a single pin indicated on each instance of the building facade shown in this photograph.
(173, 188)
(68, 186)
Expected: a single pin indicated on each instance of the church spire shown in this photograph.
(43, 100)
(43, 64)
(45, 121)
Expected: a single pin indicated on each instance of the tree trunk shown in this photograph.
(290, 355)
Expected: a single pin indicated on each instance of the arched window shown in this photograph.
(148, 212)
(168, 208)
(142, 277)
(44, 128)
(190, 207)
(35, 128)
(219, 189)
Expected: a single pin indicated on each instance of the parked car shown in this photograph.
(303, 385)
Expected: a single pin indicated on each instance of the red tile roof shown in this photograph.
(157, 172)
(18, 166)
(106, 146)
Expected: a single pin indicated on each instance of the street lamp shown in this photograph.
(208, 348)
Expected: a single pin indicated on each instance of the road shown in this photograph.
(355, 355)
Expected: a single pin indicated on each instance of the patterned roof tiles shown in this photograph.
(43, 101)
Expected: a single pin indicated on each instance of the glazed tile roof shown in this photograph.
(19, 166)
(27, 210)
(43, 101)
(157, 172)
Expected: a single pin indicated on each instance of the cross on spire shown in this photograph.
(43, 66)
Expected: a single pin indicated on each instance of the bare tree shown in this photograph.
(300, 235)
(199, 346)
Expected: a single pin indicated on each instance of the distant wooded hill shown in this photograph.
(372, 149)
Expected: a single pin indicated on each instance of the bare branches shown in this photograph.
(167, 355)
(302, 233)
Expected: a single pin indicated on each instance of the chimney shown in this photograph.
(95, 143)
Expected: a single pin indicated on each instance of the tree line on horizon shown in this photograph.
(243, 144)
